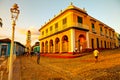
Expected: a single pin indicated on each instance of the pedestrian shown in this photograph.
(38, 57)
(75, 49)
(96, 52)
(32, 53)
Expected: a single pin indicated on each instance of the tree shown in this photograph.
(1, 22)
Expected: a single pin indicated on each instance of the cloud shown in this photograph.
(22, 31)
(21, 34)
(33, 30)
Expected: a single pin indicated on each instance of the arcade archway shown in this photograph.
(51, 46)
(65, 45)
(46, 47)
(81, 42)
(57, 45)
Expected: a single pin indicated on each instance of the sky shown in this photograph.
(34, 14)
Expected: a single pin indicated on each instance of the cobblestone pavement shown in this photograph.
(81, 68)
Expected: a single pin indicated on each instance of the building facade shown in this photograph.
(73, 30)
(5, 44)
(117, 39)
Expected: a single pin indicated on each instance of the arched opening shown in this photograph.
(51, 46)
(65, 46)
(46, 47)
(105, 44)
(92, 43)
(42, 48)
(97, 42)
(57, 45)
(110, 45)
(101, 44)
(81, 43)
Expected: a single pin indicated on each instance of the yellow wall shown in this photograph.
(60, 36)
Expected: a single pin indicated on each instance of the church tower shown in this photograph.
(28, 42)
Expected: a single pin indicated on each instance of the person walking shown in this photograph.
(38, 57)
(96, 52)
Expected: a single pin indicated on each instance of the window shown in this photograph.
(42, 32)
(80, 19)
(101, 31)
(113, 34)
(105, 31)
(93, 27)
(100, 28)
(110, 33)
(64, 21)
(56, 25)
(46, 30)
(50, 28)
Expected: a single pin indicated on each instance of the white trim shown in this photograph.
(87, 38)
(72, 40)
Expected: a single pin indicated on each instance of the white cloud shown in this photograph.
(21, 34)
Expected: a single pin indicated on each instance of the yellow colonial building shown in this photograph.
(117, 39)
(73, 30)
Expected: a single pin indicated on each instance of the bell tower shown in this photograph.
(28, 42)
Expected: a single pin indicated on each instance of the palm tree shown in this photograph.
(1, 22)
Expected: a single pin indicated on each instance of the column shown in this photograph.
(48, 46)
(72, 40)
(41, 46)
(60, 46)
(87, 39)
(53, 46)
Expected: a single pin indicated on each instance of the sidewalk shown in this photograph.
(66, 55)
(16, 69)
(2, 59)
(3, 67)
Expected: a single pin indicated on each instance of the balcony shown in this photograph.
(101, 33)
(66, 27)
(107, 35)
(94, 31)
(111, 37)
(80, 26)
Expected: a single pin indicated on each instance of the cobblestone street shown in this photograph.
(81, 68)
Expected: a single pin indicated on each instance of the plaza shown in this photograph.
(65, 44)
(81, 68)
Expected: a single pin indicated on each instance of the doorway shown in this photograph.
(92, 41)
(3, 50)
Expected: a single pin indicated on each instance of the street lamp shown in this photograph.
(14, 15)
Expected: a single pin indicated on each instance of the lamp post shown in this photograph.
(14, 15)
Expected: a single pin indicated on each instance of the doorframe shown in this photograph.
(1, 48)
(92, 42)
